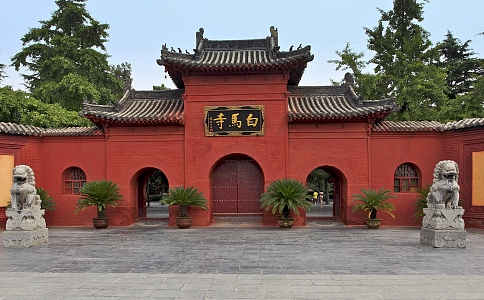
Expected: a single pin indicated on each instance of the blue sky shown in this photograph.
(139, 28)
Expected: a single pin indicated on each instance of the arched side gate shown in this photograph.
(237, 183)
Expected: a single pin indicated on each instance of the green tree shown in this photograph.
(404, 64)
(404, 56)
(123, 72)
(161, 87)
(2, 72)
(19, 107)
(463, 70)
(65, 59)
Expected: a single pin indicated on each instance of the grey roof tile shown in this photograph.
(19, 129)
(331, 103)
(236, 56)
(140, 107)
(408, 126)
(28, 130)
(465, 124)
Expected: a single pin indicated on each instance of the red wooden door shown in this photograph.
(237, 184)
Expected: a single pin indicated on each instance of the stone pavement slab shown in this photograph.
(320, 261)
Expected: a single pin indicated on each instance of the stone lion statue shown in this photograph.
(444, 189)
(23, 193)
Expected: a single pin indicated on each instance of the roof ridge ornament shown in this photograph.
(199, 41)
(349, 79)
(274, 38)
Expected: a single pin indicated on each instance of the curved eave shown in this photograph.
(29, 130)
(176, 68)
(465, 124)
(219, 62)
(407, 126)
(19, 129)
(305, 118)
(135, 121)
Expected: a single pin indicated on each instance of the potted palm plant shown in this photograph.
(284, 196)
(184, 198)
(373, 200)
(421, 202)
(101, 194)
(47, 200)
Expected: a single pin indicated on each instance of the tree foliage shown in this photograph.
(404, 56)
(2, 72)
(19, 107)
(316, 179)
(67, 59)
(404, 64)
(161, 87)
(463, 73)
(123, 72)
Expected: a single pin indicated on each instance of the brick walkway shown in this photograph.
(324, 260)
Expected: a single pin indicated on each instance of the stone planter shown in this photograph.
(286, 222)
(373, 223)
(100, 223)
(183, 222)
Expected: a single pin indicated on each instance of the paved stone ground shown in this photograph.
(231, 260)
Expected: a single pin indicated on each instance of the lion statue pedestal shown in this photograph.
(442, 224)
(25, 222)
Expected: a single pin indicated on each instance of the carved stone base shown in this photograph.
(443, 238)
(25, 238)
(443, 218)
(26, 219)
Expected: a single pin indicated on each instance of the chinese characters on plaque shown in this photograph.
(234, 120)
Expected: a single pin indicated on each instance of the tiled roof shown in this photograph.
(426, 126)
(408, 126)
(12, 128)
(17, 129)
(465, 124)
(140, 108)
(74, 131)
(236, 56)
(332, 103)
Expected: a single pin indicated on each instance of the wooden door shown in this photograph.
(237, 184)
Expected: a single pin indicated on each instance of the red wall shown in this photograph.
(388, 151)
(203, 152)
(464, 144)
(360, 159)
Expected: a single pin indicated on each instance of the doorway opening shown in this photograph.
(152, 184)
(325, 191)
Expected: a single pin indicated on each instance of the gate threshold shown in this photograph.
(237, 221)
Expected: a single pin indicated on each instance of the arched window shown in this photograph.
(405, 179)
(74, 179)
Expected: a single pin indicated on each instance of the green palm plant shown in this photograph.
(99, 193)
(284, 195)
(47, 200)
(421, 202)
(373, 200)
(185, 197)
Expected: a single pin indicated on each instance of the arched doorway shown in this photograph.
(237, 183)
(328, 182)
(152, 184)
